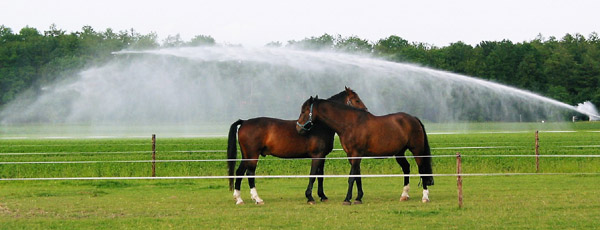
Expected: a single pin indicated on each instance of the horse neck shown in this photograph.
(341, 97)
(336, 117)
(323, 129)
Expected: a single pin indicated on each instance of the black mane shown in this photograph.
(339, 97)
(341, 105)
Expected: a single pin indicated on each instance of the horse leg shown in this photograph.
(251, 172)
(320, 171)
(351, 180)
(313, 171)
(406, 169)
(359, 189)
(425, 180)
(238, 183)
(422, 163)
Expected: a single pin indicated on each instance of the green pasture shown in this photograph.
(541, 201)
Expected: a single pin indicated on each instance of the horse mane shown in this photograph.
(341, 105)
(339, 97)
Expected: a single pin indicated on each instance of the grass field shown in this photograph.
(499, 202)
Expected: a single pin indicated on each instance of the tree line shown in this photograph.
(566, 69)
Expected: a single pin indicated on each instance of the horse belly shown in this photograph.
(385, 146)
(287, 146)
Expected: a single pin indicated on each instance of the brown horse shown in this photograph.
(363, 134)
(270, 136)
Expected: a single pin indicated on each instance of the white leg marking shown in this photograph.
(254, 196)
(237, 196)
(425, 196)
(405, 195)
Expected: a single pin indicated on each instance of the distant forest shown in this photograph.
(566, 69)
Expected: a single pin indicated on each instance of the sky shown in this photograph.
(258, 22)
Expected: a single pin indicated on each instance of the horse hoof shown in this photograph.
(425, 200)
(239, 203)
(312, 202)
(324, 200)
(346, 203)
(260, 203)
(404, 198)
(357, 202)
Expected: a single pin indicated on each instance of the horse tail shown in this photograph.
(427, 159)
(232, 150)
(427, 148)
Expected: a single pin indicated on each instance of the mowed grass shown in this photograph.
(499, 202)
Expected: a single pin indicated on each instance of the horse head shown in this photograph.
(305, 121)
(352, 99)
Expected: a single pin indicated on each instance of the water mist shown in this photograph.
(218, 85)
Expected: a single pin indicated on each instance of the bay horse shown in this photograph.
(271, 136)
(363, 134)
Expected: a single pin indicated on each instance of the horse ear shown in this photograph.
(316, 97)
(346, 87)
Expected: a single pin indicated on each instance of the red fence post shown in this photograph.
(153, 155)
(459, 180)
(537, 151)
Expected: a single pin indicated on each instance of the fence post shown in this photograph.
(153, 155)
(459, 180)
(537, 151)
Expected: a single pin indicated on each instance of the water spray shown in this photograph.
(588, 109)
(217, 85)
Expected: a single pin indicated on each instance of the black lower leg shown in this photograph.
(311, 181)
(321, 192)
(354, 170)
(359, 189)
(240, 172)
(308, 192)
(251, 172)
(425, 168)
(405, 168)
(349, 193)
(358, 183)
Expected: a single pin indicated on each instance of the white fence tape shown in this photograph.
(223, 151)
(291, 176)
(288, 159)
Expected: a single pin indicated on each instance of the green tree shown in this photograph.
(390, 46)
(173, 41)
(274, 44)
(353, 44)
(457, 57)
(324, 42)
(147, 41)
(202, 40)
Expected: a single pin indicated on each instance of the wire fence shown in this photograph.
(223, 151)
(458, 157)
(289, 159)
(294, 176)
(153, 161)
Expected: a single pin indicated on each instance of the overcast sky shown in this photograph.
(257, 22)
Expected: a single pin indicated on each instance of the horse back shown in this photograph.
(389, 134)
(271, 136)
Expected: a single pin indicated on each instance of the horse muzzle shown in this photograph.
(304, 128)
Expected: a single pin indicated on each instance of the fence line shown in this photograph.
(223, 151)
(294, 176)
(115, 152)
(288, 159)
